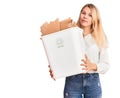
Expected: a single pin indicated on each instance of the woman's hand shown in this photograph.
(51, 72)
(88, 65)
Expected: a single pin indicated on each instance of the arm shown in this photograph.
(103, 65)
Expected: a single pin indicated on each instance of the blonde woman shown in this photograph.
(87, 85)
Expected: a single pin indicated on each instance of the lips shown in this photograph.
(84, 21)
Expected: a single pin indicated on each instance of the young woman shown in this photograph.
(87, 85)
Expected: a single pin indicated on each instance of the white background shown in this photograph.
(24, 69)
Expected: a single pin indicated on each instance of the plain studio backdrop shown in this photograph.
(24, 69)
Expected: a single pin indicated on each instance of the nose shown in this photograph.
(85, 16)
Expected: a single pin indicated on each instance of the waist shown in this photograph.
(85, 75)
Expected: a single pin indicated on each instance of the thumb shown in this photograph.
(86, 57)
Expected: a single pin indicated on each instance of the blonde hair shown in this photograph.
(96, 28)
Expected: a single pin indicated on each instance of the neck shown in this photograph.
(86, 31)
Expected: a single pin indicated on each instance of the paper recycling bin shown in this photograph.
(64, 50)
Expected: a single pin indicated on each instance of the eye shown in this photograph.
(90, 15)
(84, 13)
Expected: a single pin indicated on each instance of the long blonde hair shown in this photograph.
(96, 28)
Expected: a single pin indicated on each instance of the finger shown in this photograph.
(86, 57)
(85, 68)
(49, 66)
(50, 71)
(52, 76)
(83, 61)
(84, 65)
(54, 79)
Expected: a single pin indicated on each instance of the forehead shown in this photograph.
(86, 9)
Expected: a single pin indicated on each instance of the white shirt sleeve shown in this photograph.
(103, 65)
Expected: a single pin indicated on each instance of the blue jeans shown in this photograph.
(83, 86)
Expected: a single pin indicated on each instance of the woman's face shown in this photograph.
(86, 17)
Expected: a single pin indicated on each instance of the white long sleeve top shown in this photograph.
(97, 55)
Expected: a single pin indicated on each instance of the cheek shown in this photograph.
(90, 21)
(80, 18)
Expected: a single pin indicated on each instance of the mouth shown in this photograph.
(84, 21)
